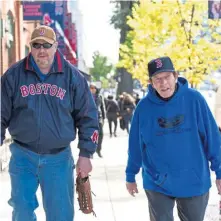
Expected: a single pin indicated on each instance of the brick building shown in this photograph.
(14, 33)
(16, 29)
(10, 33)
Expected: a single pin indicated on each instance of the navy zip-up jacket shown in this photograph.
(43, 115)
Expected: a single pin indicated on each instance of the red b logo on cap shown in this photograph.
(159, 63)
(41, 31)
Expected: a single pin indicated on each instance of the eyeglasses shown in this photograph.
(45, 45)
(162, 79)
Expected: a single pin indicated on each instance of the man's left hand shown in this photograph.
(218, 185)
(84, 166)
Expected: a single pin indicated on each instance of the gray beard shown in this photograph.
(42, 62)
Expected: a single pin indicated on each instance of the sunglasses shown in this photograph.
(45, 45)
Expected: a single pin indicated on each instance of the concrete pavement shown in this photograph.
(112, 202)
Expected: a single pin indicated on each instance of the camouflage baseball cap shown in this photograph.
(45, 33)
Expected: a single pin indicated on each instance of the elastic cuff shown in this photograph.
(130, 178)
(218, 175)
(85, 153)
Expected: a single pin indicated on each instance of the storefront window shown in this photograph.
(10, 41)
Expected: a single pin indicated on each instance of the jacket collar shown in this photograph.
(57, 66)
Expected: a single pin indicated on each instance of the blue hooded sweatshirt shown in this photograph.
(173, 142)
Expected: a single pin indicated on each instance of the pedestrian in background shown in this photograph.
(112, 114)
(44, 100)
(173, 138)
(101, 115)
(128, 110)
(137, 99)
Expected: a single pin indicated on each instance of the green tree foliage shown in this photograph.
(101, 67)
(123, 9)
(181, 31)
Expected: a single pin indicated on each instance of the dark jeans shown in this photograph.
(54, 174)
(114, 120)
(100, 138)
(189, 209)
(127, 121)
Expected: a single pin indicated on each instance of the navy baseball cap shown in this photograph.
(158, 65)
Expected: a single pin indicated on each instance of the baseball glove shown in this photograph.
(83, 189)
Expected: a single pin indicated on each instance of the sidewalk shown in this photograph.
(112, 202)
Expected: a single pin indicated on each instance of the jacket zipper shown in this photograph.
(40, 118)
(40, 123)
(40, 112)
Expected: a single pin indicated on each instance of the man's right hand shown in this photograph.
(131, 188)
(83, 166)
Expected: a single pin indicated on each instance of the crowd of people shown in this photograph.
(117, 111)
(121, 108)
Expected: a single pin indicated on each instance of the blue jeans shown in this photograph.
(54, 173)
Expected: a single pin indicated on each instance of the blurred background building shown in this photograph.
(19, 18)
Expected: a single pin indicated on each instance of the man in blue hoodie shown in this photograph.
(45, 100)
(173, 138)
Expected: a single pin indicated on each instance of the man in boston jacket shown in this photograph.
(44, 101)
